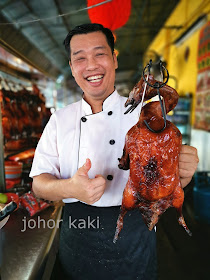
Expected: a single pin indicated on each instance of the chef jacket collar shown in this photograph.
(108, 103)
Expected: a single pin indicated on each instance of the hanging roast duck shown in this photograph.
(151, 152)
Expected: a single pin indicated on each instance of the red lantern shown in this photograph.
(112, 14)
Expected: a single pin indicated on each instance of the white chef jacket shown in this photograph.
(74, 133)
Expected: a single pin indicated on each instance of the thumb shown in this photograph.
(85, 168)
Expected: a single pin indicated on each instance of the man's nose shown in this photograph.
(91, 63)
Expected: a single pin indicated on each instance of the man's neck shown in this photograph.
(96, 105)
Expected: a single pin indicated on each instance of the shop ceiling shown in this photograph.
(40, 42)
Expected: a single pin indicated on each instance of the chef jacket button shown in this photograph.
(110, 113)
(109, 177)
(83, 119)
(111, 142)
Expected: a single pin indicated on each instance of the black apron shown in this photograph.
(87, 251)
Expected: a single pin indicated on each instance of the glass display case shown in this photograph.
(181, 117)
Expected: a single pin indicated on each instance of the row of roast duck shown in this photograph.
(23, 112)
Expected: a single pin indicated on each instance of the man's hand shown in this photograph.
(188, 161)
(85, 189)
(80, 186)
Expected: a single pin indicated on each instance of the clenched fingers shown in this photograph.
(99, 181)
(188, 161)
(185, 149)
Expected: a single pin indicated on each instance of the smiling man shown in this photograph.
(76, 160)
(93, 65)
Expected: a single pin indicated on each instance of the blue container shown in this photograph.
(201, 196)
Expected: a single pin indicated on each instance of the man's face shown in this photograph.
(93, 65)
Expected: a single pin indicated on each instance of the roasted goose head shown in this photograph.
(153, 184)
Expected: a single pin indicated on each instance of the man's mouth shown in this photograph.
(95, 79)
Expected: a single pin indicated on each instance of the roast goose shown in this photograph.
(9, 123)
(152, 155)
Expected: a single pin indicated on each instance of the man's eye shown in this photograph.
(99, 54)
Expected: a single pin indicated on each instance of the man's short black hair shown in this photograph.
(85, 29)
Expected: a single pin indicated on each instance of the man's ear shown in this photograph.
(115, 60)
(72, 71)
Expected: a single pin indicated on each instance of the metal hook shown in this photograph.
(163, 113)
(156, 85)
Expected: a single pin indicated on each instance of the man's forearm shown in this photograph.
(49, 187)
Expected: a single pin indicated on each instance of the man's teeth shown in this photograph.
(95, 79)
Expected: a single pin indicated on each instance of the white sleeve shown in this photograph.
(46, 155)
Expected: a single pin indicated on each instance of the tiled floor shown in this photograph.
(180, 256)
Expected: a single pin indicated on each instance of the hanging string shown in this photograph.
(53, 17)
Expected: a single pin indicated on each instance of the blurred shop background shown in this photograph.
(36, 80)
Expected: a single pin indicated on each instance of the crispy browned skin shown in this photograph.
(153, 184)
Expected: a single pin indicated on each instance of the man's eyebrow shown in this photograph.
(81, 51)
(75, 53)
(99, 47)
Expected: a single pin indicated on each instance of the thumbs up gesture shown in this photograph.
(85, 189)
